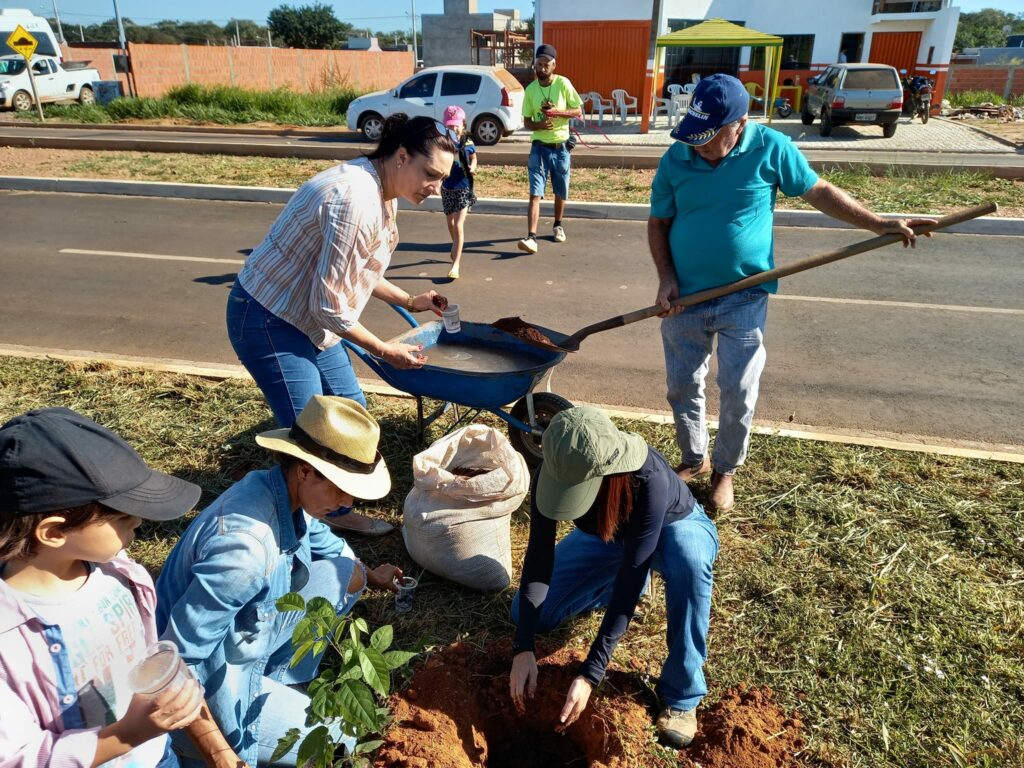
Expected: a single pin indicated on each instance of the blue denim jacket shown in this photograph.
(216, 594)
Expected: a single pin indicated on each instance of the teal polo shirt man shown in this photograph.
(712, 211)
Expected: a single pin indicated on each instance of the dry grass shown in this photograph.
(880, 593)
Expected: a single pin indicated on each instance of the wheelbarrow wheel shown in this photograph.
(545, 406)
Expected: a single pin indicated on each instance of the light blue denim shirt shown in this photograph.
(216, 593)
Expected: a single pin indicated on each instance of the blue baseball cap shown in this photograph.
(716, 101)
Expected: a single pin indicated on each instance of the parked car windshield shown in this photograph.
(12, 66)
(870, 79)
(421, 87)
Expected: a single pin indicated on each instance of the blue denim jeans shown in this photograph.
(545, 161)
(738, 320)
(584, 575)
(287, 367)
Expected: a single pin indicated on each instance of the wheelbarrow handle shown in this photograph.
(959, 217)
(365, 356)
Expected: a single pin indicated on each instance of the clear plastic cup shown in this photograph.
(163, 669)
(404, 596)
(452, 324)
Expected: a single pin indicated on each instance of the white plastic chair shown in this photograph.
(624, 103)
(674, 89)
(664, 107)
(599, 105)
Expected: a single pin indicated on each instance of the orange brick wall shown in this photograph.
(968, 77)
(160, 67)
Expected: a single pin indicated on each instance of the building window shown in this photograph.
(902, 6)
(459, 84)
(796, 53)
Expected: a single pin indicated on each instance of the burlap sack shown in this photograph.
(457, 525)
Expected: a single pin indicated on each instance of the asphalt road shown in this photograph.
(926, 342)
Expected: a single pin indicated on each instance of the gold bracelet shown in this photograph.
(408, 303)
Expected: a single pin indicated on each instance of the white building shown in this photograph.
(606, 44)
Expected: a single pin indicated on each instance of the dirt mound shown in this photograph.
(457, 713)
(745, 729)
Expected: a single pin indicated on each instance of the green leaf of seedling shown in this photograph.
(284, 744)
(396, 659)
(367, 746)
(303, 631)
(318, 746)
(381, 639)
(357, 698)
(353, 633)
(375, 670)
(293, 601)
(320, 607)
(300, 652)
(361, 625)
(347, 652)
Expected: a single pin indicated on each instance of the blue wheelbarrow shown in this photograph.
(480, 368)
(782, 106)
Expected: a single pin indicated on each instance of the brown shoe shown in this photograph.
(686, 474)
(677, 727)
(359, 524)
(722, 499)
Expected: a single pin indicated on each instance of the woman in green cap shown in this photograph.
(632, 513)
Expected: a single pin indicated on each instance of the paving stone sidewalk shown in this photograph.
(937, 136)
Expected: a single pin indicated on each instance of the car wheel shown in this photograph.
(545, 406)
(805, 115)
(825, 129)
(86, 97)
(487, 130)
(22, 102)
(785, 111)
(889, 130)
(372, 126)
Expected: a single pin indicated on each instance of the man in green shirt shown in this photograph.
(549, 155)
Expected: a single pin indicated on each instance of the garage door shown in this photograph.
(897, 49)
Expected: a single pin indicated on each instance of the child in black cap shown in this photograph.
(76, 613)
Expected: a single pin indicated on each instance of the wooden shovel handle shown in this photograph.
(208, 739)
(959, 217)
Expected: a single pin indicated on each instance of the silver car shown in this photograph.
(863, 94)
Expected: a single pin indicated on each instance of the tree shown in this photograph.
(308, 26)
(984, 29)
(249, 32)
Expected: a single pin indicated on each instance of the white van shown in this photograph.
(39, 28)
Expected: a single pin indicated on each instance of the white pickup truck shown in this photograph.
(54, 82)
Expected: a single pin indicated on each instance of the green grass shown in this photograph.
(879, 593)
(219, 104)
(974, 98)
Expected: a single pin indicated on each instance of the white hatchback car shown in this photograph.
(492, 98)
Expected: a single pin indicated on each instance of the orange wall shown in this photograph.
(968, 77)
(601, 55)
(160, 67)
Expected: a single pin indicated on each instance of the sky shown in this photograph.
(383, 15)
(380, 15)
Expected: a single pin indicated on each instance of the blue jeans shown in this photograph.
(738, 320)
(584, 574)
(287, 367)
(545, 161)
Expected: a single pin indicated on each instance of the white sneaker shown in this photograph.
(559, 234)
(528, 244)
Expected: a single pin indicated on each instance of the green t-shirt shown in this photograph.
(562, 95)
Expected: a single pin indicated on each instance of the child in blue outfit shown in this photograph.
(457, 190)
(263, 538)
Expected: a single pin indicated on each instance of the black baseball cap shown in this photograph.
(53, 459)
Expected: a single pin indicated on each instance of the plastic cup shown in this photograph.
(452, 324)
(406, 590)
(162, 669)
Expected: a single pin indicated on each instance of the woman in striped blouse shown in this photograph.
(305, 286)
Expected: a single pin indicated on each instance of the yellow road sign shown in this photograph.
(22, 42)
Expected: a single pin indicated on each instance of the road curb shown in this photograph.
(220, 371)
(987, 225)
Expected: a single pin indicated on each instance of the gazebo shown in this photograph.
(719, 33)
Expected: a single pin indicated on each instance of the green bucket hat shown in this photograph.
(581, 446)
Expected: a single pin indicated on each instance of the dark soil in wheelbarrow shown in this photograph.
(456, 713)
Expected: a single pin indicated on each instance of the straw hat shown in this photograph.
(337, 437)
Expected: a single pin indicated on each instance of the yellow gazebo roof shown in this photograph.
(716, 33)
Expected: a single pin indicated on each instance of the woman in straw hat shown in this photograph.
(304, 287)
(262, 538)
(632, 514)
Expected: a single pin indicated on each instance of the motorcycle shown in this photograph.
(920, 90)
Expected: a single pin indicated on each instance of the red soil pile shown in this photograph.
(457, 713)
(745, 729)
(521, 330)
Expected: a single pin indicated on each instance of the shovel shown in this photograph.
(531, 335)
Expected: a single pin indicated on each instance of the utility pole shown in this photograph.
(415, 49)
(238, 36)
(81, 33)
(60, 31)
(123, 44)
(270, 42)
